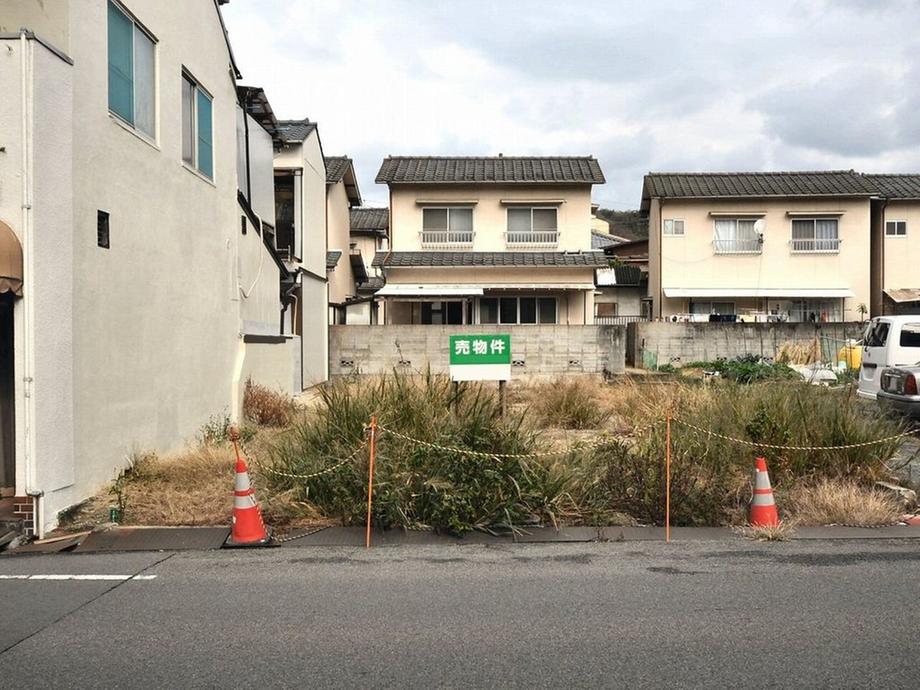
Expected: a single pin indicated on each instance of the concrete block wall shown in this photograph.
(675, 343)
(535, 350)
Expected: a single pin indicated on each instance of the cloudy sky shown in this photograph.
(680, 85)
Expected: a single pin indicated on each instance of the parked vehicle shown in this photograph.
(899, 391)
(889, 341)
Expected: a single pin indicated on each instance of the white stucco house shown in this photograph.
(137, 226)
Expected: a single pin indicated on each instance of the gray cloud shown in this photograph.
(660, 85)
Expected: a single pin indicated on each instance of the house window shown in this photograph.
(673, 227)
(517, 310)
(719, 308)
(102, 229)
(603, 309)
(815, 235)
(197, 128)
(533, 226)
(132, 72)
(441, 313)
(442, 226)
(737, 236)
(896, 228)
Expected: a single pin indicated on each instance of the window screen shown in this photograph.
(488, 310)
(434, 219)
(121, 64)
(204, 140)
(188, 121)
(547, 309)
(528, 309)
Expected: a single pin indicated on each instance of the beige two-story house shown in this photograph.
(790, 246)
(896, 244)
(501, 239)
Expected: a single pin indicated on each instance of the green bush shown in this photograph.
(415, 484)
(747, 369)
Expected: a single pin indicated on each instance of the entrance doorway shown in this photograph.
(7, 393)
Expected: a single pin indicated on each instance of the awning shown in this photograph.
(427, 290)
(775, 293)
(10, 261)
(391, 290)
(900, 295)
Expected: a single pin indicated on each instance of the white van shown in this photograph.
(889, 341)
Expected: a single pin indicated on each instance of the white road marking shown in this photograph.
(117, 578)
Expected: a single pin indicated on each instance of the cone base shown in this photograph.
(231, 544)
(764, 517)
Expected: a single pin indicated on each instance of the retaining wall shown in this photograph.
(535, 350)
(654, 343)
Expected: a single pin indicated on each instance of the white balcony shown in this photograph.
(815, 246)
(535, 239)
(447, 239)
(747, 245)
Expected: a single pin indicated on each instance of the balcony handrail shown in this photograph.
(447, 237)
(814, 244)
(740, 245)
(532, 237)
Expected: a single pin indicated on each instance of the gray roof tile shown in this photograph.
(370, 220)
(493, 170)
(295, 130)
(332, 259)
(756, 184)
(336, 167)
(896, 186)
(599, 240)
(445, 259)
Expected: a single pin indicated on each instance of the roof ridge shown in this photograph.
(758, 172)
(497, 158)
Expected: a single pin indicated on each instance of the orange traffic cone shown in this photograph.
(763, 507)
(247, 528)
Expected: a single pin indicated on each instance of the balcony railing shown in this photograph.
(738, 246)
(532, 238)
(447, 238)
(829, 245)
(619, 320)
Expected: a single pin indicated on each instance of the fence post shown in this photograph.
(370, 477)
(667, 481)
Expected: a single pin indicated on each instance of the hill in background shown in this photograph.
(630, 224)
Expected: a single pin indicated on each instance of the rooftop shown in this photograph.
(599, 240)
(449, 259)
(755, 185)
(295, 130)
(896, 186)
(370, 220)
(490, 170)
(342, 169)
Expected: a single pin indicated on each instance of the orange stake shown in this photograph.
(667, 481)
(370, 478)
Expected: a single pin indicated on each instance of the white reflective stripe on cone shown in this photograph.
(242, 481)
(761, 480)
(245, 502)
(763, 500)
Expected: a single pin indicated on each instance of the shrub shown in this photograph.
(417, 484)
(266, 407)
(747, 369)
(842, 502)
(569, 403)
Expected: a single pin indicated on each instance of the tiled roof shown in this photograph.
(372, 283)
(370, 220)
(896, 186)
(599, 240)
(332, 259)
(336, 167)
(295, 130)
(756, 184)
(493, 170)
(435, 259)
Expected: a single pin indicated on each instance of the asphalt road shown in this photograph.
(705, 614)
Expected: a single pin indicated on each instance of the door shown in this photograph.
(7, 392)
(875, 356)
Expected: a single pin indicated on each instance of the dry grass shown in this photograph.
(783, 531)
(266, 407)
(841, 502)
(801, 352)
(194, 488)
(567, 403)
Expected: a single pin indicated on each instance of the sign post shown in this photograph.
(480, 357)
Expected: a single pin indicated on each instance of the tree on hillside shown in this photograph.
(630, 224)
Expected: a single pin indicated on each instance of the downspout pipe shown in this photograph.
(28, 337)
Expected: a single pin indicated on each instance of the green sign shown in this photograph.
(480, 349)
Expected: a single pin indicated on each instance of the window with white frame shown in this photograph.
(815, 235)
(132, 71)
(517, 310)
(532, 225)
(895, 228)
(448, 225)
(719, 308)
(197, 127)
(673, 227)
(737, 236)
